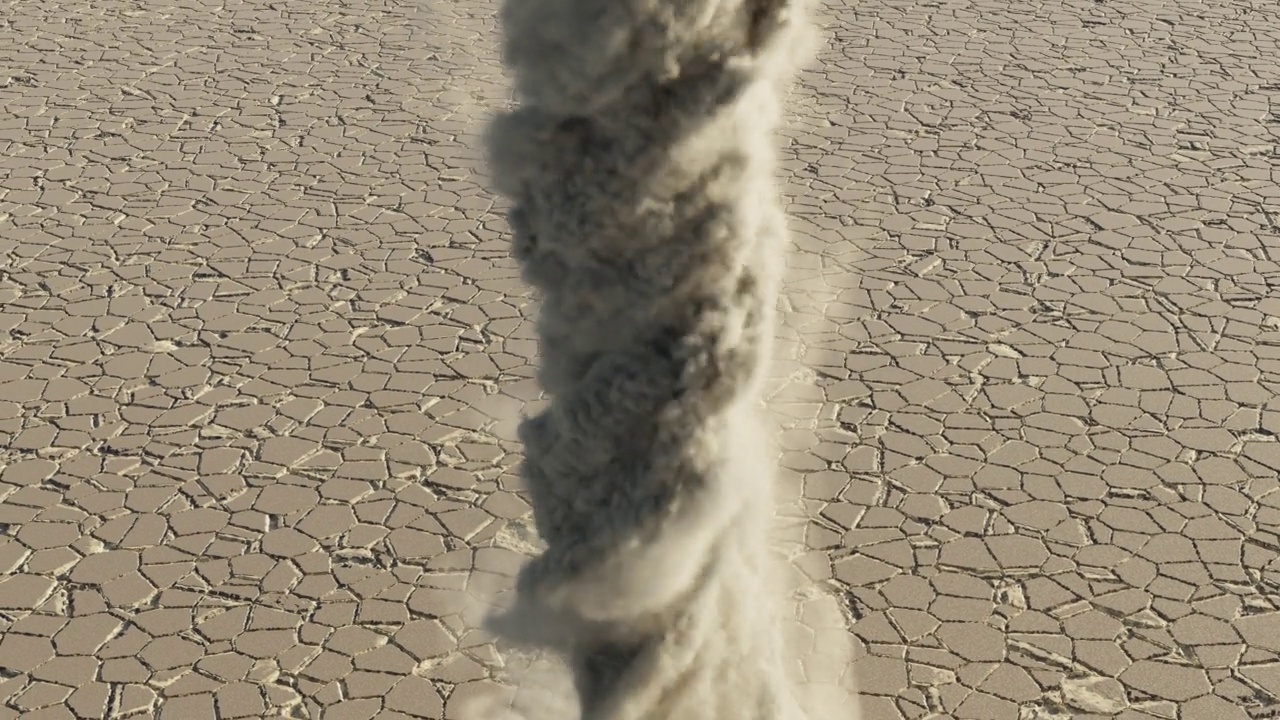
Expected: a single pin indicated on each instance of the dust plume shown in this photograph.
(640, 168)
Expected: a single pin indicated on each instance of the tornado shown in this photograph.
(639, 164)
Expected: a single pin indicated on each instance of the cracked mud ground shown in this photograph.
(263, 347)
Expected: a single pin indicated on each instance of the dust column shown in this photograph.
(639, 164)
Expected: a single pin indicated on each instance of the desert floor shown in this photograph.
(263, 349)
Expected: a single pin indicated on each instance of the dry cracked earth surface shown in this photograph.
(263, 347)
